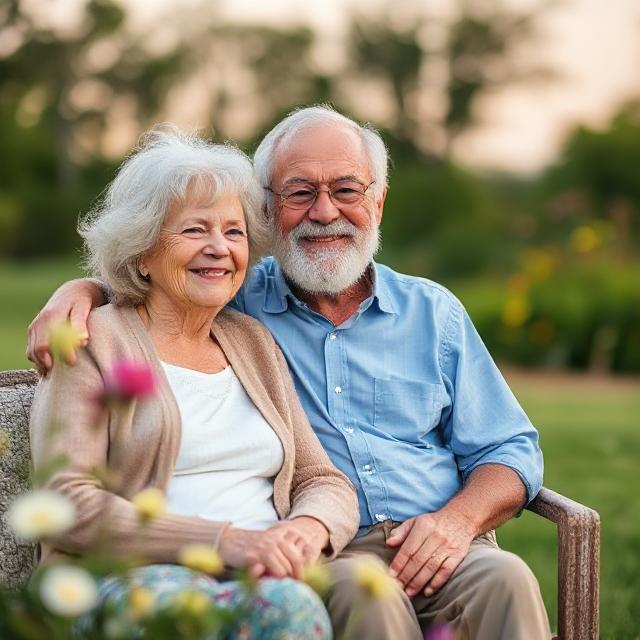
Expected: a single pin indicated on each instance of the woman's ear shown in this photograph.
(142, 270)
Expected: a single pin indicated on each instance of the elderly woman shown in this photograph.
(225, 437)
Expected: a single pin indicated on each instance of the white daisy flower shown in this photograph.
(39, 514)
(68, 591)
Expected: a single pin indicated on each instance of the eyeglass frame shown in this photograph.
(283, 198)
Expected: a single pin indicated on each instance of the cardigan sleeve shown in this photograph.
(64, 423)
(318, 489)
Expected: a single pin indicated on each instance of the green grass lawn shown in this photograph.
(590, 433)
(24, 288)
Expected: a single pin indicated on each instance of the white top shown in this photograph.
(229, 454)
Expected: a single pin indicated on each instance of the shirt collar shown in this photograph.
(381, 292)
(278, 293)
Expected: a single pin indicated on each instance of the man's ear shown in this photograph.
(380, 205)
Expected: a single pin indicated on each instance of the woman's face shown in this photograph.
(202, 255)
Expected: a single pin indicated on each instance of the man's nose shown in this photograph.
(323, 209)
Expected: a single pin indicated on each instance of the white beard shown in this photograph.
(326, 270)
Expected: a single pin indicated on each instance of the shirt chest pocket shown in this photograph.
(406, 409)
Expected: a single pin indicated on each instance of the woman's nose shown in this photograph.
(217, 244)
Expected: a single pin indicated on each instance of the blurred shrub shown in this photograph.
(582, 316)
(444, 221)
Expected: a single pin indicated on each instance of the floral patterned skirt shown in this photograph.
(278, 609)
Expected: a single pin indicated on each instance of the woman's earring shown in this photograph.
(144, 274)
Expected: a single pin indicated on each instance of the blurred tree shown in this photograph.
(596, 184)
(476, 51)
(57, 88)
(479, 54)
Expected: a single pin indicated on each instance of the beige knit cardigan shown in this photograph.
(140, 445)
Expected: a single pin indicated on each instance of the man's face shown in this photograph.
(326, 247)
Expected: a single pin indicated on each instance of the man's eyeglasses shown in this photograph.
(303, 196)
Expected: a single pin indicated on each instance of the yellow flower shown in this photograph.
(193, 602)
(585, 239)
(39, 514)
(150, 503)
(64, 340)
(538, 264)
(201, 557)
(140, 602)
(318, 577)
(374, 579)
(68, 591)
(4, 442)
(516, 312)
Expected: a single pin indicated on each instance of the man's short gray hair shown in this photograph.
(309, 117)
(162, 172)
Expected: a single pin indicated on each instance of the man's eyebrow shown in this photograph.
(302, 180)
(296, 180)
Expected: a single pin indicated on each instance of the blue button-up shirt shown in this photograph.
(403, 395)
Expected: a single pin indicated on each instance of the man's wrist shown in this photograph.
(467, 518)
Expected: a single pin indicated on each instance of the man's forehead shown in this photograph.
(321, 153)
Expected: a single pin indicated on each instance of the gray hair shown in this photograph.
(159, 174)
(309, 117)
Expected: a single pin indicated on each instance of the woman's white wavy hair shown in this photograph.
(163, 171)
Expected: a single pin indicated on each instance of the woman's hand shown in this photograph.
(309, 535)
(280, 551)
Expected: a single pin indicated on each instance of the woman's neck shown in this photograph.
(182, 336)
(167, 319)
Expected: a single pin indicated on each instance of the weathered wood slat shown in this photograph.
(16, 394)
(578, 564)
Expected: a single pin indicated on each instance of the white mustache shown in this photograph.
(309, 229)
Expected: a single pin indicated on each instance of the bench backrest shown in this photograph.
(16, 395)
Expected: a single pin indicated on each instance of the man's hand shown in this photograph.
(431, 547)
(73, 301)
(280, 551)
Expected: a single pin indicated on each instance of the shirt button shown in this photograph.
(349, 429)
(367, 467)
(380, 517)
(332, 336)
(338, 389)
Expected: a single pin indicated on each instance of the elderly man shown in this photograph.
(396, 383)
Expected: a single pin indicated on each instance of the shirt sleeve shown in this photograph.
(482, 421)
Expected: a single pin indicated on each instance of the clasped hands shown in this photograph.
(431, 546)
(282, 550)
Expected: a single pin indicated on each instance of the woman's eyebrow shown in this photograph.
(194, 220)
(236, 221)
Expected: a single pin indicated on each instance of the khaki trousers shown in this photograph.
(492, 595)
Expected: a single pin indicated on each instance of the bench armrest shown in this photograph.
(578, 563)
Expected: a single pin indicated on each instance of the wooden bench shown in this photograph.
(578, 526)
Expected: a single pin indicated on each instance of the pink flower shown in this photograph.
(440, 632)
(126, 381)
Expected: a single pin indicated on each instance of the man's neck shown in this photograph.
(338, 307)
